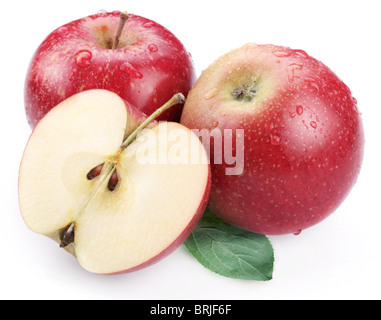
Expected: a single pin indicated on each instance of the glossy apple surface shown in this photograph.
(82, 185)
(147, 68)
(303, 137)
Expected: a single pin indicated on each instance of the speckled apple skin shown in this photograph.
(303, 138)
(147, 72)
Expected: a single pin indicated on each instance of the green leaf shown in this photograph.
(230, 251)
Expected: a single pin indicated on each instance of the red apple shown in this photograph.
(147, 67)
(303, 137)
(83, 182)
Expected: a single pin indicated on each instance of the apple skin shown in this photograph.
(149, 66)
(304, 138)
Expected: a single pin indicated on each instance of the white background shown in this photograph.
(338, 259)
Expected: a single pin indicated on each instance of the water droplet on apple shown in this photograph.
(301, 53)
(281, 54)
(153, 48)
(116, 13)
(128, 69)
(275, 140)
(83, 58)
(211, 94)
(298, 232)
(102, 13)
(62, 29)
(292, 114)
(148, 24)
(215, 124)
(291, 69)
(313, 124)
(311, 82)
(295, 66)
(269, 125)
(299, 110)
(309, 79)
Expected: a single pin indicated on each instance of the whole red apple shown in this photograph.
(147, 66)
(303, 137)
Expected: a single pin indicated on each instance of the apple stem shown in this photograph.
(246, 93)
(176, 99)
(122, 21)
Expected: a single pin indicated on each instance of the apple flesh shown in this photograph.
(82, 186)
(303, 137)
(148, 66)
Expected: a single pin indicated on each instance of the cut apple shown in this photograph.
(83, 183)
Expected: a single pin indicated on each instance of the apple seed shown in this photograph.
(95, 172)
(68, 236)
(113, 182)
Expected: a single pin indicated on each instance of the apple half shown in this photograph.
(83, 184)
